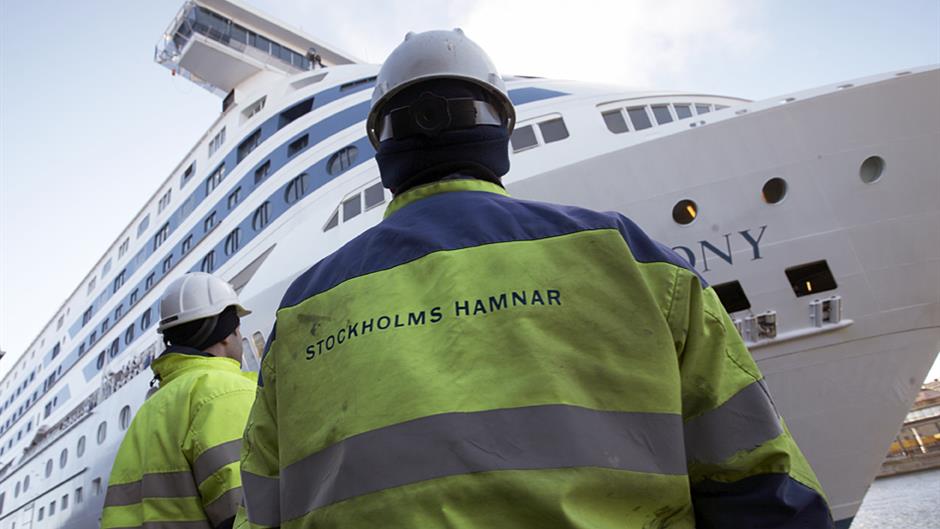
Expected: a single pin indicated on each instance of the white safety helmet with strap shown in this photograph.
(195, 296)
(439, 55)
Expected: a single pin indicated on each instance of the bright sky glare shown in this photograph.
(90, 126)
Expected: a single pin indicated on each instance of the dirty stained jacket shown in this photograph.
(178, 465)
(478, 361)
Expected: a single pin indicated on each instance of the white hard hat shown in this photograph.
(436, 55)
(195, 296)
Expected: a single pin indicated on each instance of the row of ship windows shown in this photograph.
(552, 128)
(46, 512)
(22, 486)
(644, 116)
(371, 197)
(339, 162)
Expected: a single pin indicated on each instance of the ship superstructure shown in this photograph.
(814, 215)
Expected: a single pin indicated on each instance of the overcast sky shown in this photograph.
(90, 126)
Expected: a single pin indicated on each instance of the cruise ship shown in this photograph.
(815, 215)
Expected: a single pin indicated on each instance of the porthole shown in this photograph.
(871, 169)
(774, 190)
(48, 468)
(685, 211)
(80, 449)
(63, 458)
(125, 417)
(102, 432)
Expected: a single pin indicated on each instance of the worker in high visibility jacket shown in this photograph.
(178, 464)
(479, 361)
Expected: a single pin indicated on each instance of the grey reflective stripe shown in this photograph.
(225, 506)
(157, 485)
(262, 499)
(215, 458)
(529, 438)
(123, 494)
(196, 524)
(744, 422)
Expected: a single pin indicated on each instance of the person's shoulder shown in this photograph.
(212, 384)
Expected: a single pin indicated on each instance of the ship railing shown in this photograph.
(118, 378)
(112, 382)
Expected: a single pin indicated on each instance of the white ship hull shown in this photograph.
(843, 386)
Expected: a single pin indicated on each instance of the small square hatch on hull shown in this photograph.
(732, 296)
(811, 278)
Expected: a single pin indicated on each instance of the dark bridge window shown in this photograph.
(295, 112)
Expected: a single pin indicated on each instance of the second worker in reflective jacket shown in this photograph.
(479, 361)
(177, 467)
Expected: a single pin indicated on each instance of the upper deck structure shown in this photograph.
(218, 44)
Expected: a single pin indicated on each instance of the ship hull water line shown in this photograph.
(843, 384)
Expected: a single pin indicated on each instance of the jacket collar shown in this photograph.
(442, 186)
(177, 360)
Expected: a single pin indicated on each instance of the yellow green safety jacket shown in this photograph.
(177, 467)
(477, 361)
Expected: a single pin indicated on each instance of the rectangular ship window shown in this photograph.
(615, 122)
(523, 138)
(351, 208)
(374, 195)
(662, 115)
(262, 171)
(639, 118)
(297, 145)
(251, 142)
(811, 278)
(553, 130)
(295, 112)
(683, 111)
(187, 174)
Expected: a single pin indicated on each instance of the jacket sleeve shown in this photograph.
(213, 445)
(260, 461)
(744, 467)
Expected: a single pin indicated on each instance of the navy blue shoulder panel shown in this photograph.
(464, 219)
(771, 501)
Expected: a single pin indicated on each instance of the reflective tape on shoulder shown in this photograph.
(744, 422)
(215, 458)
(156, 485)
(528, 438)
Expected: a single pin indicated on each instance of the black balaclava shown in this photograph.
(204, 333)
(480, 152)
